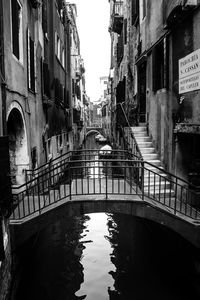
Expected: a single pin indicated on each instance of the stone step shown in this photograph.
(151, 184)
(145, 145)
(147, 150)
(140, 139)
(155, 178)
(138, 129)
(159, 192)
(152, 170)
(157, 175)
(140, 133)
(150, 156)
(155, 162)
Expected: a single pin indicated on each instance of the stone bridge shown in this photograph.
(79, 184)
(90, 130)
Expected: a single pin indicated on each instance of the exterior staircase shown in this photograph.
(156, 182)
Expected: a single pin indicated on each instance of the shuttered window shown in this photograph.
(125, 31)
(17, 41)
(46, 79)
(135, 11)
(31, 62)
(120, 47)
(160, 65)
(44, 16)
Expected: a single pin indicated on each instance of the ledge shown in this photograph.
(187, 128)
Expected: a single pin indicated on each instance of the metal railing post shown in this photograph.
(38, 188)
(175, 203)
(142, 178)
(70, 181)
(106, 181)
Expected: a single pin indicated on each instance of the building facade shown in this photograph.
(36, 98)
(155, 76)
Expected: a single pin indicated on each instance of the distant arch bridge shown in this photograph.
(91, 130)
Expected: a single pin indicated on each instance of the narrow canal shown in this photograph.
(107, 256)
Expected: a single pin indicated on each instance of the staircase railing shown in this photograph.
(177, 188)
(120, 174)
(130, 138)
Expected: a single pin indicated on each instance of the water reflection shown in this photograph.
(102, 257)
(151, 262)
(96, 259)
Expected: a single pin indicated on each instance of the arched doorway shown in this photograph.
(18, 148)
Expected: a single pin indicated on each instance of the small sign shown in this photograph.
(189, 72)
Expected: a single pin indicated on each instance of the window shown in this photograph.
(160, 65)
(125, 31)
(17, 36)
(34, 157)
(135, 11)
(31, 62)
(57, 46)
(142, 10)
(63, 57)
(44, 16)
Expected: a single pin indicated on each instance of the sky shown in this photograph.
(92, 23)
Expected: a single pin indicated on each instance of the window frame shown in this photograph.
(31, 63)
(160, 65)
(19, 56)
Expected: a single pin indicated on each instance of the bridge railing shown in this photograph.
(118, 175)
(71, 155)
(75, 178)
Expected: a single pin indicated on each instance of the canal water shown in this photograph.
(107, 256)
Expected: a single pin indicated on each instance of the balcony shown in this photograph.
(188, 128)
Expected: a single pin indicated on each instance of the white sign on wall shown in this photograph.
(189, 72)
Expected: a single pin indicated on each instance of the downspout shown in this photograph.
(3, 124)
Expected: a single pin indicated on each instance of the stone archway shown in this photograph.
(18, 147)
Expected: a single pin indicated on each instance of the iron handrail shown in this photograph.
(67, 155)
(63, 162)
(154, 186)
(130, 131)
(54, 167)
(141, 158)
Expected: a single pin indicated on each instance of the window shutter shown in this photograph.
(15, 27)
(32, 65)
(67, 99)
(125, 31)
(154, 69)
(166, 63)
(135, 11)
(44, 16)
(28, 59)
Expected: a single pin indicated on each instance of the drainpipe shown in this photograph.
(3, 124)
